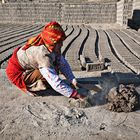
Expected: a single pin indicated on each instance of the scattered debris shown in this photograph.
(79, 103)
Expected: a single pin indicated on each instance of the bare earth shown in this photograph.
(50, 117)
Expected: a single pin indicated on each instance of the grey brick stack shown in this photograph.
(89, 13)
(124, 11)
(29, 12)
(42, 12)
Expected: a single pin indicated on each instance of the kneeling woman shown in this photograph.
(35, 65)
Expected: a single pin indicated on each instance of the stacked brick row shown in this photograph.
(136, 4)
(103, 1)
(59, 1)
(29, 12)
(89, 13)
(62, 12)
(124, 11)
(128, 5)
(120, 12)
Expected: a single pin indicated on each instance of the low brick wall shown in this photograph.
(120, 8)
(29, 12)
(62, 12)
(89, 13)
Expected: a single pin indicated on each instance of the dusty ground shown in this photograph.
(50, 117)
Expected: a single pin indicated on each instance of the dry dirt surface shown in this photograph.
(23, 117)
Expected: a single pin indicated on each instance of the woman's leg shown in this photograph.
(35, 81)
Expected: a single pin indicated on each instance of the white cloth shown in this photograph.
(56, 83)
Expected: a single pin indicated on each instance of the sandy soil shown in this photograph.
(50, 117)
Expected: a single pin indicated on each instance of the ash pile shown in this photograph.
(123, 98)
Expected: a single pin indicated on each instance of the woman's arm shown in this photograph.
(56, 83)
(65, 69)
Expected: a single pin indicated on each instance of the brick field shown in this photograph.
(118, 48)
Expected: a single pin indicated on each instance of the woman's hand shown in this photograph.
(76, 84)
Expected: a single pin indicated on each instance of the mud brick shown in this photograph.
(96, 66)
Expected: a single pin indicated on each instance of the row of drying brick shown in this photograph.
(80, 40)
(129, 43)
(133, 35)
(105, 52)
(117, 63)
(75, 49)
(123, 53)
(12, 37)
(8, 44)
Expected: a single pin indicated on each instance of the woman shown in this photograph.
(35, 65)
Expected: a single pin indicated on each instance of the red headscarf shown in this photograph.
(50, 35)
